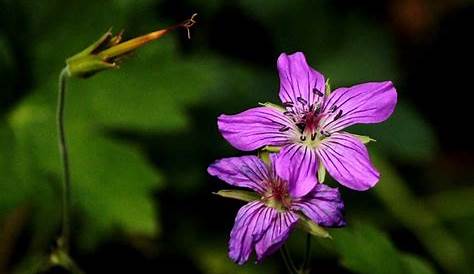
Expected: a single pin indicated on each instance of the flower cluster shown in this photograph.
(307, 132)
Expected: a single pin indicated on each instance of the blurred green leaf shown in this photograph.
(11, 192)
(452, 204)
(409, 210)
(366, 250)
(112, 181)
(214, 260)
(406, 135)
(416, 265)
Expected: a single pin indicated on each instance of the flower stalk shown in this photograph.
(307, 255)
(290, 266)
(63, 241)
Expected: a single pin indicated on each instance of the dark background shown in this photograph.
(142, 137)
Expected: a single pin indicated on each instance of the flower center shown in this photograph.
(277, 195)
(308, 125)
(308, 120)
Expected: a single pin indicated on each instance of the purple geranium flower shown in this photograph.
(308, 128)
(265, 224)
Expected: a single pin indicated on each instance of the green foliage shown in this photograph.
(112, 180)
(162, 104)
(364, 249)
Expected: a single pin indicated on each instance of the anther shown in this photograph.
(313, 136)
(317, 92)
(333, 108)
(303, 138)
(301, 100)
(288, 104)
(325, 134)
(288, 113)
(283, 129)
(301, 126)
(318, 109)
(338, 115)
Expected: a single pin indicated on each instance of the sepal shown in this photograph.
(242, 195)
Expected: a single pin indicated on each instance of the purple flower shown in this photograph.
(309, 127)
(264, 225)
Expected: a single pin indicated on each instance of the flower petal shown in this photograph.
(245, 171)
(323, 205)
(297, 164)
(255, 128)
(251, 223)
(299, 83)
(364, 103)
(276, 235)
(347, 160)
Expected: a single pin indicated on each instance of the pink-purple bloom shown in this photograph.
(264, 225)
(309, 126)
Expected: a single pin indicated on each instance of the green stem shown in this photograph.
(63, 241)
(307, 255)
(290, 266)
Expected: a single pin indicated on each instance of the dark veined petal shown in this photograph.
(245, 171)
(323, 205)
(297, 164)
(347, 160)
(255, 128)
(276, 235)
(299, 83)
(364, 103)
(251, 223)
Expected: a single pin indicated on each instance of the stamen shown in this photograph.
(301, 126)
(288, 113)
(318, 109)
(301, 100)
(313, 136)
(333, 108)
(283, 129)
(338, 115)
(325, 134)
(317, 92)
(303, 138)
(288, 104)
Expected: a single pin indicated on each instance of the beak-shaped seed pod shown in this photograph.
(106, 52)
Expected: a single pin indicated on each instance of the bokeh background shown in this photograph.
(142, 137)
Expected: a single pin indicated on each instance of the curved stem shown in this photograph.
(307, 255)
(290, 266)
(63, 241)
